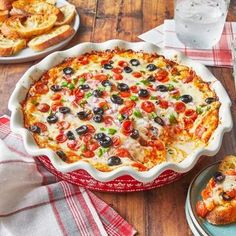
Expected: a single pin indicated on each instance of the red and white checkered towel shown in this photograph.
(34, 202)
(220, 55)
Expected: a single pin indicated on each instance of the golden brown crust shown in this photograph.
(54, 36)
(3, 15)
(228, 164)
(222, 215)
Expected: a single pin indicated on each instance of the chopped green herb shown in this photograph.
(175, 80)
(153, 98)
(64, 84)
(120, 117)
(102, 129)
(142, 71)
(112, 131)
(83, 147)
(208, 108)
(145, 82)
(105, 107)
(100, 152)
(199, 110)
(138, 114)
(63, 100)
(101, 89)
(71, 86)
(133, 98)
(172, 119)
(176, 97)
(170, 87)
(82, 81)
(89, 94)
(108, 88)
(153, 114)
(170, 151)
(74, 81)
(137, 83)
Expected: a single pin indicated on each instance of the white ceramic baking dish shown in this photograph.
(34, 73)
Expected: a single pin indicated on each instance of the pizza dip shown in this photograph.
(121, 108)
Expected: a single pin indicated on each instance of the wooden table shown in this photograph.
(159, 211)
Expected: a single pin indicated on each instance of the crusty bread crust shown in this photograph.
(27, 27)
(68, 14)
(5, 4)
(27, 7)
(222, 215)
(9, 47)
(53, 37)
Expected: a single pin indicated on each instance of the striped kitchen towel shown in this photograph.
(35, 202)
(220, 55)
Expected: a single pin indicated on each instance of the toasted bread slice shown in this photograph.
(222, 215)
(27, 7)
(26, 27)
(228, 164)
(6, 4)
(69, 13)
(3, 15)
(9, 47)
(54, 36)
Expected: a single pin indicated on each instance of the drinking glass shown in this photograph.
(199, 23)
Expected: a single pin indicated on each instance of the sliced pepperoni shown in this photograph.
(118, 76)
(79, 94)
(117, 70)
(42, 126)
(127, 127)
(179, 107)
(190, 113)
(163, 104)
(41, 88)
(91, 129)
(125, 94)
(43, 107)
(61, 138)
(162, 76)
(123, 63)
(148, 106)
(100, 77)
(108, 120)
(137, 74)
(134, 89)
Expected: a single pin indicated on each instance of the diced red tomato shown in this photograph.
(117, 70)
(206, 193)
(118, 76)
(61, 138)
(201, 209)
(92, 145)
(127, 127)
(86, 75)
(79, 94)
(163, 104)
(126, 110)
(104, 105)
(42, 126)
(140, 166)
(231, 193)
(84, 61)
(179, 107)
(41, 88)
(73, 145)
(175, 93)
(88, 153)
(62, 125)
(116, 141)
(108, 120)
(137, 74)
(86, 137)
(191, 114)
(105, 61)
(150, 87)
(124, 94)
(188, 122)
(100, 77)
(56, 104)
(162, 76)
(43, 107)
(56, 96)
(122, 152)
(134, 89)
(123, 63)
(130, 103)
(148, 106)
(91, 129)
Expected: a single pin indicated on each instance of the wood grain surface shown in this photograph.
(160, 211)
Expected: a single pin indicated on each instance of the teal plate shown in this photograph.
(194, 194)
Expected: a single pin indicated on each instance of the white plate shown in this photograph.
(35, 72)
(28, 54)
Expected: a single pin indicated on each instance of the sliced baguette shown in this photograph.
(6, 4)
(68, 12)
(9, 47)
(27, 7)
(53, 37)
(26, 27)
(3, 15)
